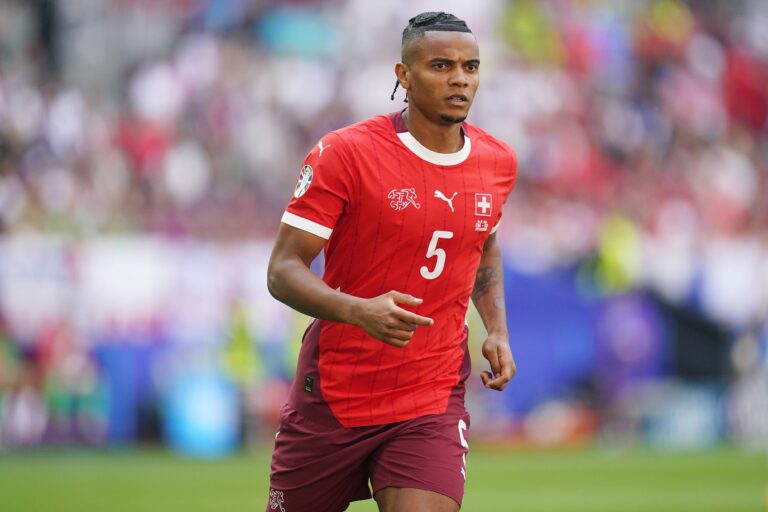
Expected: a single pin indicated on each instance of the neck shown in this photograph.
(439, 137)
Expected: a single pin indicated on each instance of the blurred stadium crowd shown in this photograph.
(147, 150)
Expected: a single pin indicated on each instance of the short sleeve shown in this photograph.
(507, 185)
(323, 188)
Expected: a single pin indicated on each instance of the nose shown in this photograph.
(459, 77)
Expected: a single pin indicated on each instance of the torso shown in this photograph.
(414, 222)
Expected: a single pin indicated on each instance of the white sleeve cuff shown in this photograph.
(495, 227)
(306, 225)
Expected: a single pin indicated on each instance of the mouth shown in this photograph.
(457, 99)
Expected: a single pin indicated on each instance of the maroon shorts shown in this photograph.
(322, 469)
(320, 466)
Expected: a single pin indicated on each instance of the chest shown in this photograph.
(408, 197)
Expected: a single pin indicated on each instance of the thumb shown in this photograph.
(404, 298)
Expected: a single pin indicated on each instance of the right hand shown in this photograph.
(383, 319)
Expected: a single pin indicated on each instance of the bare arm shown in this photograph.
(290, 281)
(488, 297)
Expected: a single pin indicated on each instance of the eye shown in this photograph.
(440, 66)
(472, 67)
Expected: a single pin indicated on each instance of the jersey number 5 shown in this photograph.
(432, 250)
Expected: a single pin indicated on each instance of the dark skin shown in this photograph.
(440, 72)
(290, 281)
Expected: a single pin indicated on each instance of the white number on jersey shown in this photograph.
(432, 250)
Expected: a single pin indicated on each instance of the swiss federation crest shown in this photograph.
(402, 198)
(305, 180)
(276, 500)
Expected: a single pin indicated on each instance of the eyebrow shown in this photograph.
(451, 61)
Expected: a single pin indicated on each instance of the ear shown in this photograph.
(403, 75)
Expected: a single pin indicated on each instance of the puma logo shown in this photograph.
(322, 148)
(440, 195)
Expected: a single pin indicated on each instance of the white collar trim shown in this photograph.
(434, 157)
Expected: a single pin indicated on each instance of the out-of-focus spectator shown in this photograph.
(146, 144)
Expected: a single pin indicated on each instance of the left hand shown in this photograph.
(496, 350)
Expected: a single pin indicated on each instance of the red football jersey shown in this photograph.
(398, 216)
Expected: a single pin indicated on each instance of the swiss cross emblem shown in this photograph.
(483, 205)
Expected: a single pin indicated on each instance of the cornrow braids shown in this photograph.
(433, 21)
(426, 22)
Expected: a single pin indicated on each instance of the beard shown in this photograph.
(452, 120)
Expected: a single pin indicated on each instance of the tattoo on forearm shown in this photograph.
(485, 281)
(486, 278)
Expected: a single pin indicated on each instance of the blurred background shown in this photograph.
(148, 149)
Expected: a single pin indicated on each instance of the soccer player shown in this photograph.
(405, 207)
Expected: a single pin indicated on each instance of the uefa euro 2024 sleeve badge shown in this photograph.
(305, 180)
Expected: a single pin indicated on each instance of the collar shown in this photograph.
(417, 148)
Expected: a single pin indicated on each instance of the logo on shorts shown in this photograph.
(276, 500)
(463, 440)
(305, 180)
(402, 198)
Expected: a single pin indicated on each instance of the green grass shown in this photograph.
(525, 481)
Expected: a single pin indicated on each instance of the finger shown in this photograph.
(404, 298)
(507, 369)
(394, 342)
(506, 362)
(400, 334)
(499, 383)
(411, 318)
(493, 359)
(398, 324)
